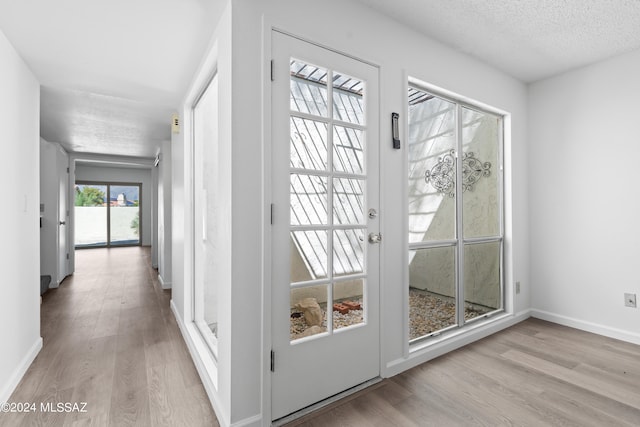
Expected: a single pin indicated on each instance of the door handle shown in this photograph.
(63, 222)
(375, 237)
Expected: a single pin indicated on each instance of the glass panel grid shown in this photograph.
(476, 242)
(327, 175)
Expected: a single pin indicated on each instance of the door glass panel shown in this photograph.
(432, 290)
(308, 255)
(308, 311)
(348, 150)
(308, 89)
(308, 144)
(348, 303)
(431, 166)
(319, 182)
(348, 252)
(348, 201)
(480, 198)
(90, 215)
(125, 214)
(308, 199)
(482, 290)
(348, 105)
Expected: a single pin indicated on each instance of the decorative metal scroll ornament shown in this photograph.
(442, 175)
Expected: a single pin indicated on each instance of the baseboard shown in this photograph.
(255, 421)
(449, 343)
(584, 325)
(165, 285)
(207, 382)
(21, 369)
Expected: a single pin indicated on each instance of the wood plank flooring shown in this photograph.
(110, 340)
(533, 374)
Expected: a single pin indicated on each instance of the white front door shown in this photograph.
(325, 241)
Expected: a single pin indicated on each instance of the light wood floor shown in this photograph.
(110, 340)
(533, 374)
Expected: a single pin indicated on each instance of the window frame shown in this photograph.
(459, 242)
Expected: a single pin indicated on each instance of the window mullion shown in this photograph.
(459, 219)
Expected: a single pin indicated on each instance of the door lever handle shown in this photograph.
(375, 237)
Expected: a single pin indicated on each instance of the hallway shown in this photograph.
(110, 340)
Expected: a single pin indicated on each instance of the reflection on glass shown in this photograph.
(308, 144)
(431, 168)
(90, 215)
(482, 278)
(309, 251)
(348, 252)
(480, 200)
(348, 152)
(308, 89)
(348, 201)
(308, 308)
(348, 303)
(348, 105)
(308, 200)
(432, 290)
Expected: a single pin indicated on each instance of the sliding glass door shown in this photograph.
(455, 213)
(107, 214)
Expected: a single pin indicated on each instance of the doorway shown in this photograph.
(325, 233)
(107, 214)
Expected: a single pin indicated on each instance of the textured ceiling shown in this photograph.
(112, 72)
(528, 39)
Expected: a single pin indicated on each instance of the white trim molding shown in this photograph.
(449, 343)
(163, 284)
(584, 325)
(21, 369)
(206, 369)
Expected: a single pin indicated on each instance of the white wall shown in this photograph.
(215, 373)
(584, 196)
(243, 386)
(20, 302)
(125, 175)
(164, 216)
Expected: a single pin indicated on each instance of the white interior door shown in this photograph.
(325, 241)
(63, 214)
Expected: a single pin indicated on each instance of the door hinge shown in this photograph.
(271, 213)
(67, 170)
(67, 256)
(272, 77)
(273, 361)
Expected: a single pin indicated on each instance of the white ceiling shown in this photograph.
(113, 71)
(528, 39)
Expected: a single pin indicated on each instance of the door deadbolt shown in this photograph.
(375, 237)
(372, 213)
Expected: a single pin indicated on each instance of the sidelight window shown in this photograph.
(455, 213)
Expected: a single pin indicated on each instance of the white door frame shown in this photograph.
(267, 182)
